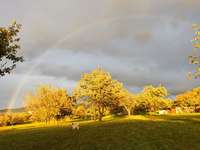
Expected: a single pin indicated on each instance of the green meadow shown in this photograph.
(139, 132)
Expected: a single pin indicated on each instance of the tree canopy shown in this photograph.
(97, 94)
(128, 100)
(195, 58)
(153, 98)
(189, 98)
(48, 103)
(9, 47)
(99, 89)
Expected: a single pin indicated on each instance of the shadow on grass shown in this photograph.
(114, 133)
(159, 132)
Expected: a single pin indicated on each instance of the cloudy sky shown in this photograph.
(139, 42)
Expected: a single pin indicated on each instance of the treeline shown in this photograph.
(97, 95)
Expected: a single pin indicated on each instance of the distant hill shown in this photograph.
(22, 109)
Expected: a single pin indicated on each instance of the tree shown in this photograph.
(127, 100)
(152, 98)
(188, 99)
(99, 89)
(48, 103)
(195, 58)
(80, 111)
(9, 46)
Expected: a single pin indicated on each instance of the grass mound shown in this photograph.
(137, 132)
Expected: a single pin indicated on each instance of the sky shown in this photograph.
(140, 42)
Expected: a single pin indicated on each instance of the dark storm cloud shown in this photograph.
(140, 42)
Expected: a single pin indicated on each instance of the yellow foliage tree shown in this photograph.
(128, 100)
(153, 98)
(48, 103)
(189, 98)
(99, 89)
(80, 111)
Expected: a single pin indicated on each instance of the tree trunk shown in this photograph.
(129, 113)
(100, 117)
(100, 113)
(128, 110)
(94, 112)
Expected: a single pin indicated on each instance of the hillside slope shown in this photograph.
(138, 132)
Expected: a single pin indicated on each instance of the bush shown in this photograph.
(8, 119)
(80, 112)
(49, 103)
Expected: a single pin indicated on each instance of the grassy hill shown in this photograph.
(114, 133)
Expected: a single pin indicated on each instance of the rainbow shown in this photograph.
(25, 78)
(75, 32)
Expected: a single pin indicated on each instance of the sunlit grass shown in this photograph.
(113, 133)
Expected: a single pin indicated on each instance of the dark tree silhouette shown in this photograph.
(9, 47)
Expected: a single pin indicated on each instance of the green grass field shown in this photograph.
(114, 133)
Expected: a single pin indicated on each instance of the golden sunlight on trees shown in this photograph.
(8, 119)
(189, 99)
(97, 95)
(152, 99)
(195, 58)
(48, 103)
(80, 112)
(128, 100)
(9, 46)
(99, 89)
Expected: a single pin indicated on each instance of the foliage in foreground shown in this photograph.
(9, 47)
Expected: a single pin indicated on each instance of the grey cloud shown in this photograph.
(13, 82)
(140, 42)
(130, 72)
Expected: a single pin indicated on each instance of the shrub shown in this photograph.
(80, 112)
(8, 119)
